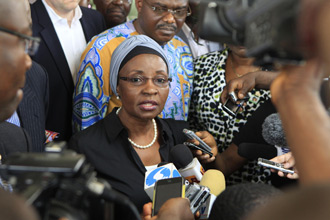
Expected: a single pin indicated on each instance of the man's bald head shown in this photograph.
(10, 9)
(14, 61)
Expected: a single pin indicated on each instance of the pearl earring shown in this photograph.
(118, 97)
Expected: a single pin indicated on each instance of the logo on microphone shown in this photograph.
(160, 173)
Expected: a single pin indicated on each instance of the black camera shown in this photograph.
(60, 183)
(267, 28)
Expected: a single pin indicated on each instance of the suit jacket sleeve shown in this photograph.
(13, 139)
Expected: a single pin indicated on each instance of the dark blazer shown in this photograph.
(106, 147)
(32, 110)
(51, 56)
(13, 139)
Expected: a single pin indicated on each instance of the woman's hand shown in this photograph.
(209, 140)
(239, 86)
(288, 162)
(242, 85)
(174, 209)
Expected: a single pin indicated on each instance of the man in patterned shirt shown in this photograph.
(158, 19)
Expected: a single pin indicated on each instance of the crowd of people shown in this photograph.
(121, 91)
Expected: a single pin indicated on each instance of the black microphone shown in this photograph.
(272, 131)
(188, 166)
(253, 151)
(181, 156)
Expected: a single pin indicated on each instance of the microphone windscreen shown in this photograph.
(180, 156)
(214, 180)
(253, 151)
(272, 131)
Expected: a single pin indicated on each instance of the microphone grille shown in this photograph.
(214, 180)
(272, 131)
(180, 156)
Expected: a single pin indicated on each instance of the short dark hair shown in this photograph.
(236, 201)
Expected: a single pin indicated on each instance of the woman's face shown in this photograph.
(147, 100)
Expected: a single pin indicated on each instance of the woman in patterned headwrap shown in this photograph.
(132, 139)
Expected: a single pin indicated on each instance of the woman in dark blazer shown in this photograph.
(132, 138)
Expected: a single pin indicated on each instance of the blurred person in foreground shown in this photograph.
(174, 209)
(296, 94)
(15, 41)
(304, 203)
(237, 201)
(14, 207)
(32, 111)
(15, 34)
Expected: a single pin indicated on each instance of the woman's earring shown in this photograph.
(118, 97)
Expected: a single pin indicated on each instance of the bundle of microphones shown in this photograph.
(201, 187)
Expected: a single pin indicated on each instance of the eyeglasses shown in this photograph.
(163, 11)
(31, 43)
(159, 81)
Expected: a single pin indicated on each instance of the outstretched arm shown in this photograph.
(295, 93)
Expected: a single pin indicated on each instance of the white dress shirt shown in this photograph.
(202, 47)
(71, 38)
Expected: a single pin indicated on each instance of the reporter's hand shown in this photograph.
(209, 140)
(174, 209)
(288, 162)
(240, 86)
(147, 211)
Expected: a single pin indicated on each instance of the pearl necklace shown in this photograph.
(153, 140)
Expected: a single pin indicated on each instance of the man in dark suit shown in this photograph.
(59, 62)
(14, 61)
(13, 139)
(32, 110)
(16, 44)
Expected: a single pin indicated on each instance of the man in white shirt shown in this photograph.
(69, 31)
(188, 33)
(64, 28)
